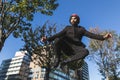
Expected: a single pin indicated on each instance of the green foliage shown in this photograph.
(40, 53)
(76, 64)
(20, 12)
(16, 15)
(33, 44)
(114, 78)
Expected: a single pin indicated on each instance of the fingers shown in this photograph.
(108, 35)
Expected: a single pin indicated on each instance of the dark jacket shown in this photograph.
(74, 35)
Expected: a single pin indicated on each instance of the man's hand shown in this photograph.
(43, 39)
(108, 35)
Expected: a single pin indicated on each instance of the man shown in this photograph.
(69, 42)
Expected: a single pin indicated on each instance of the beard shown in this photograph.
(74, 23)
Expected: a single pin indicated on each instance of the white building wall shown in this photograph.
(17, 65)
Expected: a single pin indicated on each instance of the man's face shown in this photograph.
(74, 20)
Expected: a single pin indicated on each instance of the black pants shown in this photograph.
(74, 52)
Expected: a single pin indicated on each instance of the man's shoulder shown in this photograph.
(68, 27)
(81, 27)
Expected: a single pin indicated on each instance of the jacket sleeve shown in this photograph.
(60, 34)
(93, 36)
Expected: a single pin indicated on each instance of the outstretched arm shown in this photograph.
(96, 36)
(60, 34)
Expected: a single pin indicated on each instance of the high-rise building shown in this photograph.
(38, 73)
(83, 72)
(15, 68)
(21, 68)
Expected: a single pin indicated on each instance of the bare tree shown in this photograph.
(106, 54)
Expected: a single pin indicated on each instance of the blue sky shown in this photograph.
(104, 14)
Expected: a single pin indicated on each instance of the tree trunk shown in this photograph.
(48, 70)
(1, 45)
(107, 76)
(77, 74)
(114, 75)
(2, 41)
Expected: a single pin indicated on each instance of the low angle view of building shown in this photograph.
(83, 72)
(22, 68)
(15, 68)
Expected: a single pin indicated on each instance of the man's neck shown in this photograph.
(75, 25)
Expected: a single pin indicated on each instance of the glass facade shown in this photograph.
(83, 72)
(18, 68)
(15, 68)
